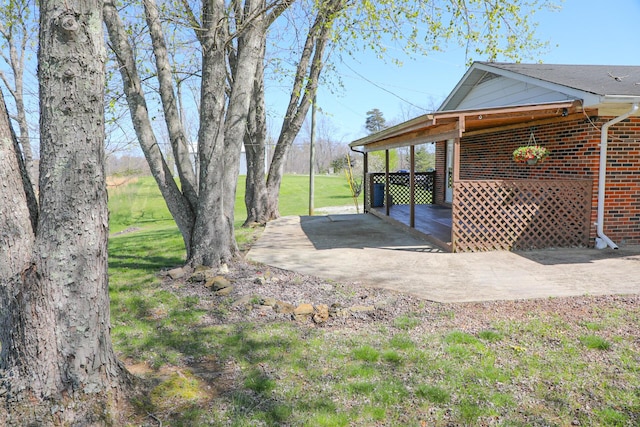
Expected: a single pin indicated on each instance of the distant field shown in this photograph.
(136, 202)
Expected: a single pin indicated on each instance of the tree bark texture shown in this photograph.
(223, 123)
(255, 148)
(58, 361)
(213, 242)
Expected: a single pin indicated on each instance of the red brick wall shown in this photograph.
(622, 207)
(575, 153)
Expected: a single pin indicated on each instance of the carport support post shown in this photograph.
(456, 178)
(456, 163)
(386, 180)
(412, 187)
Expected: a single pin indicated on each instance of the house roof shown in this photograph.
(497, 96)
(597, 79)
(594, 84)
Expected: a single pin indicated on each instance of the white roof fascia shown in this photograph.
(463, 82)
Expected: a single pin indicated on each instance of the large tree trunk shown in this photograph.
(255, 149)
(59, 365)
(213, 242)
(179, 143)
(223, 124)
(305, 85)
(177, 203)
(232, 36)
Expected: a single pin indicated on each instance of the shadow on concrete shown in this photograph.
(559, 256)
(359, 231)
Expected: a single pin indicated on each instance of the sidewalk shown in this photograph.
(366, 250)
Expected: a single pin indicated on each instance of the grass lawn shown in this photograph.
(136, 203)
(547, 363)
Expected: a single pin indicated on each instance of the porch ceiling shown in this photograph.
(445, 125)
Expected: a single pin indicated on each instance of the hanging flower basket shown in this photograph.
(530, 154)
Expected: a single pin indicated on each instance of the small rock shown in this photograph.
(217, 283)
(260, 281)
(341, 312)
(284, 307)
(269, 302)
(244, 301)
(390, 301)
(336, 310)
(321, 314)
(303, 310)
(224, 291)
(224, 269)
(197, 277)
(176, 273)
(381, 304)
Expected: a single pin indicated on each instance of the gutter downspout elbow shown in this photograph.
(602, 241)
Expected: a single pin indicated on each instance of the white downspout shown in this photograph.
(602, 241)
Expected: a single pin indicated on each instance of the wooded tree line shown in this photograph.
(57, 365)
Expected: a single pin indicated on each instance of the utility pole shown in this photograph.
(312, 155)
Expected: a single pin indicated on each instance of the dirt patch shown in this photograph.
(254, 283)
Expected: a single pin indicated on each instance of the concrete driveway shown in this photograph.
(366, 250)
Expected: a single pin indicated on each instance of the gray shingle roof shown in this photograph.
(611, 80)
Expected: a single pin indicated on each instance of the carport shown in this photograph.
(485, 213)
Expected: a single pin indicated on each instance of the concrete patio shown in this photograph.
(367, 250)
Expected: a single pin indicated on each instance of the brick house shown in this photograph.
(585, 193)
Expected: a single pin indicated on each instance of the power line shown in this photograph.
(383, 88)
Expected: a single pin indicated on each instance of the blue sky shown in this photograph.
(581, 32)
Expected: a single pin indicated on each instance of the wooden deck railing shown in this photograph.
(520, 214)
